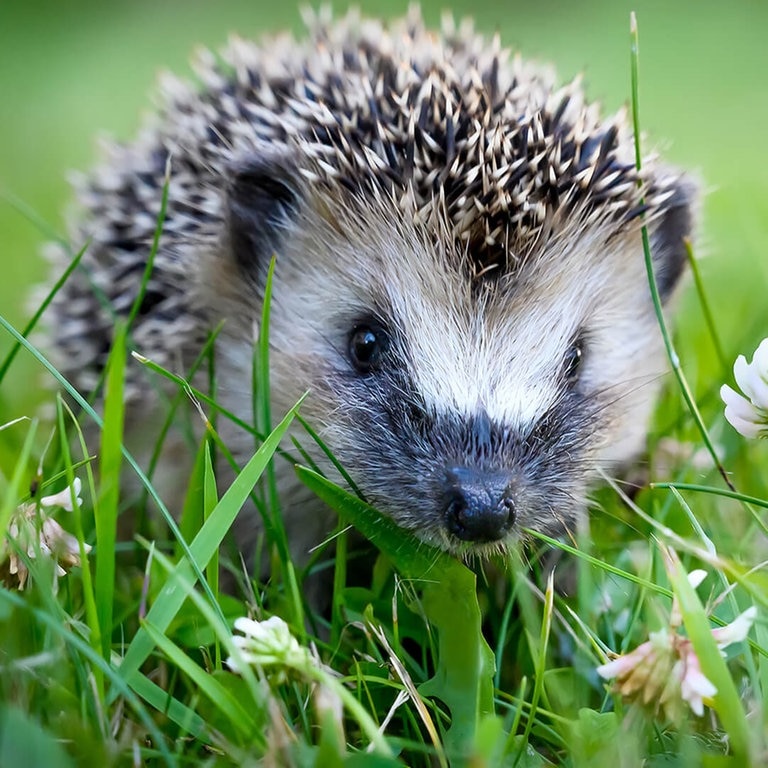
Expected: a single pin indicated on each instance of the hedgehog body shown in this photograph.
(459, 283)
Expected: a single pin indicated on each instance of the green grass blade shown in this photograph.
(222, 632)
(13, 492)
(262, 414)
(705, 308)
(202, 549)
(597, 563)
(89, 595)
(539, 653)
(171, 707)
(192, 509)
(172, 409)
(149, 266)
(209, 686)
(110, 466)
(329, 455)
(210, 500)
(34, 218)
(674, 359)
(726, 494)
(30, 326)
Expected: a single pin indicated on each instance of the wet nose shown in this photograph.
(478, 504)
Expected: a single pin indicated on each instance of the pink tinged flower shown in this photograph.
(694, 686)
(748, 413)
(38, 534)
(665, 670)
(644, 672)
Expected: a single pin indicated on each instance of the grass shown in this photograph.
(123, 660)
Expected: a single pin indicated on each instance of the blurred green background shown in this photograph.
(70, 71)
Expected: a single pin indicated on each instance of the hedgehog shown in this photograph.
(459, 282)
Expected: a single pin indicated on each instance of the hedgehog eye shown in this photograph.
(572, 361)
(365, 347)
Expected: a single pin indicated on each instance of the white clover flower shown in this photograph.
(40, 535)
(665, 670)
(63, 498)
(268, 643)
(749, 415)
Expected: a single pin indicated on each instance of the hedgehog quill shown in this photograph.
(459, 281)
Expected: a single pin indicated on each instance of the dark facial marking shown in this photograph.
(263, 195)
(478, 505)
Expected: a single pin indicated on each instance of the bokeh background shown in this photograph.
(70, 71)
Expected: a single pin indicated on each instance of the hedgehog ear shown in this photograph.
(668, 240)
(263, 197)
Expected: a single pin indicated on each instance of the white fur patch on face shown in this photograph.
(502, 351)
(468, 359)
(500, 348)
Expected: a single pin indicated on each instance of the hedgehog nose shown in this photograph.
(478, 504)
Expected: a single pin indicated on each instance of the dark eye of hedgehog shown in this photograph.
(572, 361)
(366, 344)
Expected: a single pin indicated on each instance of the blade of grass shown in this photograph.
(329, 455)
(540, 665)
(149, 266)
(89, 597)
(597, 563)
(170, 706)
(31, 215)
(173, 407)
(30, 326)
(209, 686)
(749, 661)
(705, 308)
(221, 630)
(171, 597)
(110, 465)
(192, 509)
(747, 501)
(13, 492)
(198, 396)
(674, 359)
(210, 500)
(275, 528)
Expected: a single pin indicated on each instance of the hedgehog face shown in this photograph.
(467, 407)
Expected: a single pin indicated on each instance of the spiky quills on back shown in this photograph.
(449, 122)
(479, 146)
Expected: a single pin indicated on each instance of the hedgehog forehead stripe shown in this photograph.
(448, 125)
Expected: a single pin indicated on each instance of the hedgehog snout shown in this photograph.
(478, 505)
